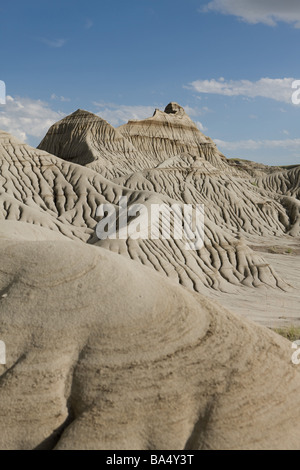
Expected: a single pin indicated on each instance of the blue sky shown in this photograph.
(230, 63)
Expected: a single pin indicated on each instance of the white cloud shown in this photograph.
(2, 92)
(200, 126)
(279, 89)
(24, 117)
(54, 42)
(269, 12)
(120, 114)
(194, 112)
(117, 115)
(287, 144)
(59, 98)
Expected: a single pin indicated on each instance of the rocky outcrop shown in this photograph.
(285, 182)
(88, 140)
(170, 133)
(236, 205)
(44, 190)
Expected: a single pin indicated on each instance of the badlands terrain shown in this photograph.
(141, 343)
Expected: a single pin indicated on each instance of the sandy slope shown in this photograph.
(107, 354)
(271, 307)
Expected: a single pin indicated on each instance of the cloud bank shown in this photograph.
(24, 117)
(286, 144)
(278, 89)
(120, 114)
(268, 12)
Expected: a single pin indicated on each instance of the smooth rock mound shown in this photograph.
(103, 353)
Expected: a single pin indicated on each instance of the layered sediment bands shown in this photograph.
(85, 138)
(44, 190)
(88, 140)
(169, 133)
(103, 353)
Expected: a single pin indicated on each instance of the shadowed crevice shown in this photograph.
(196, 439)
